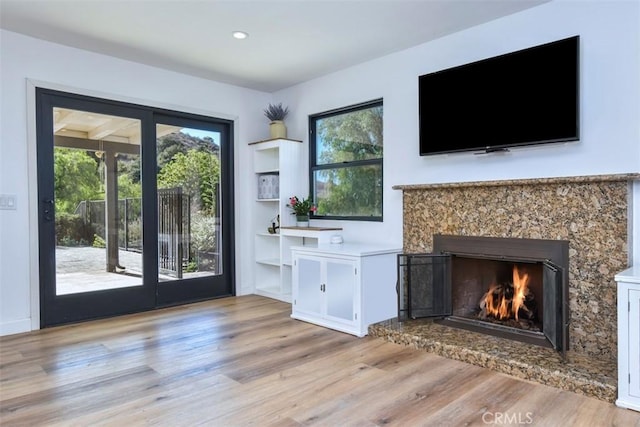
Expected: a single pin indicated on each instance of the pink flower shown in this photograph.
(301, 207)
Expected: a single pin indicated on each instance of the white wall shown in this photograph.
(634, 224)
(610, 110)
(63, 67)
(610, 102)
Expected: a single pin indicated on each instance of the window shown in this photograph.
(346, 162)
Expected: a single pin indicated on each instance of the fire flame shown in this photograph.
(503, 307)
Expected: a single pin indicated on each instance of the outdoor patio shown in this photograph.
(83, 269)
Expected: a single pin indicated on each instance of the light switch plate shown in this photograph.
(8, 201)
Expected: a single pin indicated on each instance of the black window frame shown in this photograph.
(313, 166)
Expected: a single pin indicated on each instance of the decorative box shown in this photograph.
(268, 186)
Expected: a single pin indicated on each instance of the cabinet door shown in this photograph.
(308, 297)
(634, 343)
(340, 290)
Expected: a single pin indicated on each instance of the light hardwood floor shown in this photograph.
(244, 361)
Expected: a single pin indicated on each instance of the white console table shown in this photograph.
(629, 338)
(345, 286)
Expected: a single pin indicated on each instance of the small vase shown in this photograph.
(277, 129)
(302, 220)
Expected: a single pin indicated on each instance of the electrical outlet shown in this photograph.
(8, 202)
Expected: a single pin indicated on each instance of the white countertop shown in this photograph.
(351, 248)
(631, 275)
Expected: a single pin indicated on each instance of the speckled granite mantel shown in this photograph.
(591, 212)
(536, 181)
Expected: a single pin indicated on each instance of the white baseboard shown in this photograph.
(15, 327)
(624, 403)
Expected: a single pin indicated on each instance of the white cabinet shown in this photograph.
(279, 170)
(345, 287)
(629, 338)
(326, 289)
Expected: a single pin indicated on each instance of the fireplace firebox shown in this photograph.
(508, 287)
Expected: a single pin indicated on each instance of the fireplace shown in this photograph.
(590, 212)
(509, 287)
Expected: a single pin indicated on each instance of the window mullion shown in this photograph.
(347, 164)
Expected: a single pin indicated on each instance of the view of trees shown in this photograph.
(79, 175)
(184, 161)
(350, 189)
(197, 172)
(76, 178)
(193, 164)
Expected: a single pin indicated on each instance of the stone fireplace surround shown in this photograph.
(591, 212)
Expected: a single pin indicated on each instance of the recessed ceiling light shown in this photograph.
(240, 35)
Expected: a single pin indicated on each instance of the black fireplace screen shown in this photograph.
(424, 286)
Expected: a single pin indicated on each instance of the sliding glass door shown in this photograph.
(131, 201)
(193, 193)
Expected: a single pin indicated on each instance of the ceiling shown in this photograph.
(289, 41)
(96, 127)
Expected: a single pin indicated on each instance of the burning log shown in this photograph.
(509, 301)
(498, 302)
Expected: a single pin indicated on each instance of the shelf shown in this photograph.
(274, 139)
(269, 261)
(267, 171)
(294, 228)
(268, 235)
(307, 231)
(322, 234)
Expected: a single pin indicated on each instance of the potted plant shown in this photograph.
(276, 113)
(301, 210)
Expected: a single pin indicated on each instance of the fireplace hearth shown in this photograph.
(506, 287)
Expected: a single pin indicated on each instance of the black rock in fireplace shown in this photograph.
(513, 288)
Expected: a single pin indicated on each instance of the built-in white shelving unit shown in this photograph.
(272, 252)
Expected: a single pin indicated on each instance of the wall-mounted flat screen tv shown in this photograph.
(521, 98)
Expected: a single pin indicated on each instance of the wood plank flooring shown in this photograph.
(243, 361)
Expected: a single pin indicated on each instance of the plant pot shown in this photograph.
(302, 220)
(278, 129)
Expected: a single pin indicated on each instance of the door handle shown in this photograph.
(47, 210)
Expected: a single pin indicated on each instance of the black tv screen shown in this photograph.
(522, 98)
